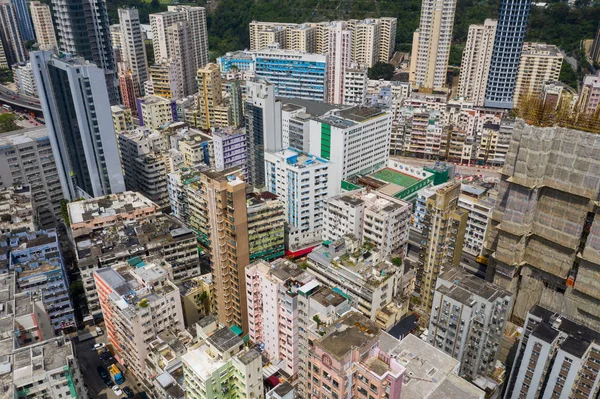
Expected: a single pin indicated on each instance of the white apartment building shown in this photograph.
(43, 26)
(367, 278)
(373, 217)
(556, 358)
(222, 368)
(476, 201)
(46, 369)
(366, 42)
(467, 321)
(373, 39)
(26, 158)
(475, 63)
(355, 86)
(315, 302)
(24, 79)
(390, 94)
(354, 141)
(138, 303)
(431, 44)
(302, 182)
(295, 121)
(145, 163)
(273, 309)
(540, 63)
(154, 111)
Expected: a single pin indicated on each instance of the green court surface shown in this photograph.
(391, 176)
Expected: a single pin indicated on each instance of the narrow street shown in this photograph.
(89, 362)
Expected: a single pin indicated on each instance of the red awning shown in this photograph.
(273, 381)
(299, 253)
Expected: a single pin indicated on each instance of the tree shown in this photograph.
(397, 261)
(567, 75)
(76, 291)
(381, 70)
(6, 75)
(7, 123)
(149, 52)
(29, 44)
(155, 4)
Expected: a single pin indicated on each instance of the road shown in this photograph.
(21, 101)
(89, 361)
(465, 170)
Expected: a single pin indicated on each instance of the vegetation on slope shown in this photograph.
(556, 24)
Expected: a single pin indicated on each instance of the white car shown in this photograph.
(117, 390)
(98, 346)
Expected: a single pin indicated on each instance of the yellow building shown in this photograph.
(443, 233)
(540, 63)
(122, 118)
(210, 98)
(197, 298)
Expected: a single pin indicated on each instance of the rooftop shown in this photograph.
(23, 136)
(345, 253)
(430, 373)
(231, 175)
(351, 331)
(151, 100)
(16, 211)
(249, 356)
(131, 238)
(313, 108)
(463, 286)
(109, 205)
(328, 297)
(578, 337)
(31, 362)
(300, 159)
(224, 339)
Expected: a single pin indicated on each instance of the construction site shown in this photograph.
(545, 242)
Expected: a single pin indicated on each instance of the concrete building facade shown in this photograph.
(476, 59)
(76, 106)
(43, 26)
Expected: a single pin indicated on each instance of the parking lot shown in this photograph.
(89, 361)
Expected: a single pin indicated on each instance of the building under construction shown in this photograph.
(545, 242)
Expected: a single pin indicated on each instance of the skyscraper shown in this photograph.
(340, 54)
(10, 35)
(179, 38)
(197, 33)
(475, 64)
(24, 19)
(83, 30)
(209, 93)
(217, 212)
(540, 63)
(508, 44)
(43, 26)
(74, 99)
(133, 50)
(263, 129)
(430, 56)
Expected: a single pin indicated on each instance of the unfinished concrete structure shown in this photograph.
(545, 238)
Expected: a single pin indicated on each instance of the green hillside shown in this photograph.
(228, 21)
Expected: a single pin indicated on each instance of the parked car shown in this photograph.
(109, 383)
(98, 346)
(103, 372)
(117, 390)
(128, 391)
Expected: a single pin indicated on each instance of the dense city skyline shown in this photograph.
(319, 215)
